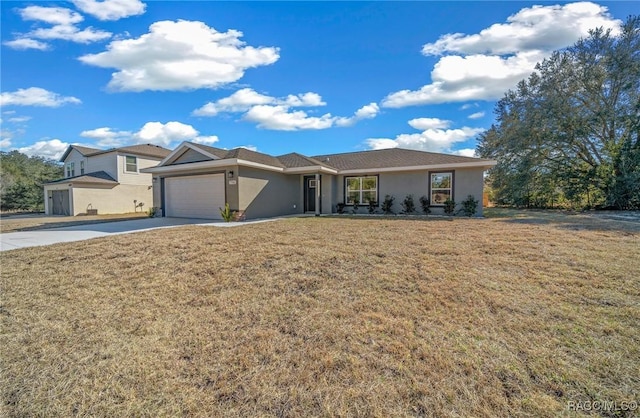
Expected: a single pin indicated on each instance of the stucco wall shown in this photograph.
(103, 162)
(110, 200)
(266, 193)
(135, 178)
(467, 181)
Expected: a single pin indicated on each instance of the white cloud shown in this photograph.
(35, 96)
(111, 9)
(53, 148)
(53, 15)
(249, 147)
(206, 140)
(70, 33)
(543, 28)
(5, 142)
(164, 134)
(484, 66)
(179, 55)
(106, 137)
(19, 119)
(240, 101)
(430, 139)
(369, 111)
(429, 123)
(280, 118)
(276, 113)
(476, 115)
(26, 43)
(465, 152)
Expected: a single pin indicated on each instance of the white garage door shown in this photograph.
(194, 196)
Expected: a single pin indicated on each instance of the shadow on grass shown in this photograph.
(65, 224)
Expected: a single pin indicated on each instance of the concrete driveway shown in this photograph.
(13, 240)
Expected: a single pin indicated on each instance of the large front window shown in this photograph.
(131, 164)
(441, 187)
(361, 190)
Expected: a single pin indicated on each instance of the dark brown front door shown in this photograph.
(310, 193)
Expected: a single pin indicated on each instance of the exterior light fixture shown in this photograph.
(230, 174)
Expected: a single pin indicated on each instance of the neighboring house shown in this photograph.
(103, 181)
(196, 180)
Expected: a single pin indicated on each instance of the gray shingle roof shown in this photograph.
(148, 150)
(390, 158)
(243, 154)
(295, 160)
(98, 177)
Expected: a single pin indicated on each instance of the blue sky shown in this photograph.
(310, 77)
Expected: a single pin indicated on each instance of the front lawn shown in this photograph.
(326, 317)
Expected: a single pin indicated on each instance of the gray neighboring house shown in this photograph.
(103, 181)
(196, 180)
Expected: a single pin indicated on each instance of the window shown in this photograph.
(361, 189)
(81, 167)
(441, 188)
(71, 171)
(130, 164)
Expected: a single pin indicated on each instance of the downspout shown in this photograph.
(318, 194)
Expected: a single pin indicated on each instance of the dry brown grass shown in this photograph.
(325, 317)
(14, 223)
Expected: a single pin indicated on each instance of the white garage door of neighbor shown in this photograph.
(194, 196)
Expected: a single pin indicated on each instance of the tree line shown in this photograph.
(569, 135)
(22, 178)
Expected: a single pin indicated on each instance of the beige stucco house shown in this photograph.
(103, 181)
(196, 180)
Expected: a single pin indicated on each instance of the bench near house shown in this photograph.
(196, 180)
(103, 181)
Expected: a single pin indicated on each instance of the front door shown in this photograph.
(310, 193)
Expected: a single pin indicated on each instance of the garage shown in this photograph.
(194, 196)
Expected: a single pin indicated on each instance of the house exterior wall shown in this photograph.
(264, 194)
(76, 158)
(135, 178)
(107, 199)
(328, 190)
(467, 181)
(103, 162)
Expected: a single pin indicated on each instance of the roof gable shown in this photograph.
(146, 150)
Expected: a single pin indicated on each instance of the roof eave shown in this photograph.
(486, 164)
(310, 169)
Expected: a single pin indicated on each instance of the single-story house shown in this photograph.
(197, 180)
(103, 181)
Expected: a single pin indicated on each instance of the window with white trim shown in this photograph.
(81, 167)
(71, 170)
(130, 164)
(441, 188)
(361, 189)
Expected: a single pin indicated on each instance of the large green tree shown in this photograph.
(22, 178)
(570, 133)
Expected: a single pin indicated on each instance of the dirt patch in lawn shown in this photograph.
(324, 317)
(15, 223)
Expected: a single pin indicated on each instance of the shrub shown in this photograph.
(340, 207)
(372, 206)
(424, 203)
(469, 206)
(227, 214)
(449, 206)
(387, 205)
(152, 212)
(408, 206)
(355, 206)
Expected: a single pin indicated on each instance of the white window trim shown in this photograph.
(71, 169)
(432, 189)
(81, 167)
(360, 190)
(125, 164)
